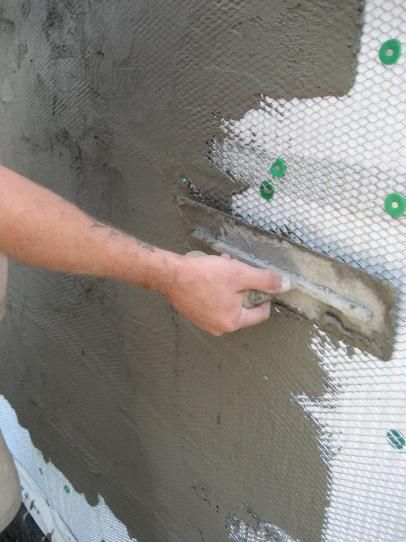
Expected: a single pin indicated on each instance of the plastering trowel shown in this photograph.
(340, 299)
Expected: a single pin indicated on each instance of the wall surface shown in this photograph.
(187, 437)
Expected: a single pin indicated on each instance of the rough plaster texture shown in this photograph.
(108, 104)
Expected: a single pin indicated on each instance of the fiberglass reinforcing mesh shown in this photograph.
(343, 156)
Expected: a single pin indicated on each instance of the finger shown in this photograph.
(215, 332)
(226, 256)
(264, 280)
(252, 317)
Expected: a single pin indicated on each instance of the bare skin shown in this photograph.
(39, 228)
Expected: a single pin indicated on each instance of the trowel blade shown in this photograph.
(344, 301)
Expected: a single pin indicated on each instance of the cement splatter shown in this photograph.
(256, 530)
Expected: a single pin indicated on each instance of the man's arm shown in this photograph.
(42, 229)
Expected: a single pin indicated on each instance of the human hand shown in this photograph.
(209, 291)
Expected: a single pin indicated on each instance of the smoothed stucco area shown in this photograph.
(108, 104)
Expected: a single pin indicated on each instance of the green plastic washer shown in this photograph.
(395, 205)
(390, 51)
(267, 189)
(278, 168)
(396, 439)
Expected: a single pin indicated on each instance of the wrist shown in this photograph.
(166, 273)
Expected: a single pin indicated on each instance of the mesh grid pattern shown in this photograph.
(343, 156)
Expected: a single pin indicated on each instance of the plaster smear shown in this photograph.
(343, 156)
(109, 103)
(254, 529)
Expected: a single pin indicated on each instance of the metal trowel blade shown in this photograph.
(344, 301)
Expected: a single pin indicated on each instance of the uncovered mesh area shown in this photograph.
(343, 156)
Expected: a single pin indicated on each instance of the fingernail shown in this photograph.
(286, 284)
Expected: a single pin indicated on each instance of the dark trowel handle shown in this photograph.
(252, 298)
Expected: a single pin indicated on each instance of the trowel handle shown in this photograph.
(252, 298)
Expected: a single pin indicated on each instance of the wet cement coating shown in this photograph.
(109, 104)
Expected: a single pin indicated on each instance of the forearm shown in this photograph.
(41, 229)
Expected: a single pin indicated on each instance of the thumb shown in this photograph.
(265, 280)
